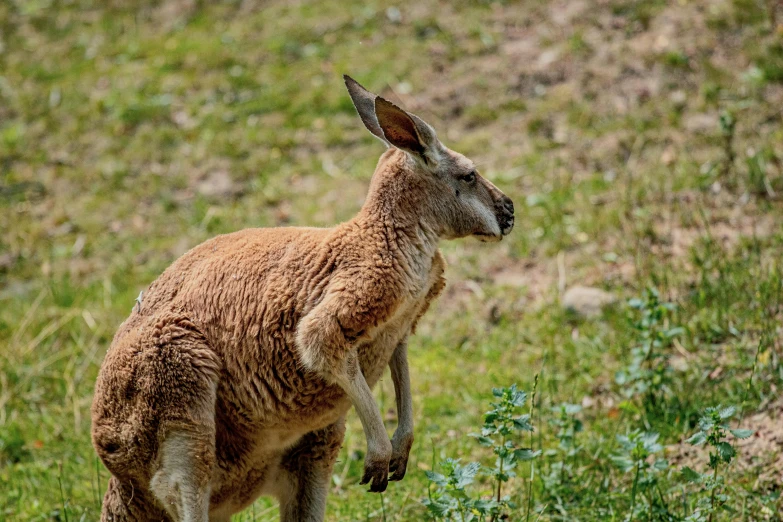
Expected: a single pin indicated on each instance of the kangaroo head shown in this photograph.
(458, 200)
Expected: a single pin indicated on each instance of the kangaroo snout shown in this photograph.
(504, 210)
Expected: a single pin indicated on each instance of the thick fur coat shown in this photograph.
(233, 375)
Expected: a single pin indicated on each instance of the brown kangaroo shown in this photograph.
(233, 375)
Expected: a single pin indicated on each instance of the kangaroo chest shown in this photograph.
(374, 354)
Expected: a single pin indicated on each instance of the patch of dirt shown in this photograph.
(539, 279)
(599, 60)
(173, 13)
(504, 286)
(678, 241)
(527, 284)
(567, 69)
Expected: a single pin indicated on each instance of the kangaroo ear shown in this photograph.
(364, 101)
(405, 131)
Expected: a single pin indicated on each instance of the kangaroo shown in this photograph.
(233, 374)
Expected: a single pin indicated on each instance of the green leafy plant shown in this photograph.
(503, 425)
(559, 480)
(568, 425)
(714, 432)
(637, 455)
(451, 501)
(649, 374)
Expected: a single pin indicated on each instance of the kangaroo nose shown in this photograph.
(508, 204)
(505, 215)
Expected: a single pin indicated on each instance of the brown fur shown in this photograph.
(239, 353)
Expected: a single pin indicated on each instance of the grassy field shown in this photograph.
(640, 140)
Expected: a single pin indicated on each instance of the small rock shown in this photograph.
(547, 58)
(668, 156)
(7, 261)
(494, 312)
(394, 15)
(61, 230)
(701, 123)
(218, 184)
(586, 301)
(679, 99)
(78, 245)
(678, 363)
(183, 120)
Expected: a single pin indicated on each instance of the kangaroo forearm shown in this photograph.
(324, 348)
(402, 387)
(352, 381)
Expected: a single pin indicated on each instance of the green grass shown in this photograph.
(603, 128)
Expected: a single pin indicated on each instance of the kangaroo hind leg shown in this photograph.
(154, 421)
(182, 482)
(305, 472)
(188, 370)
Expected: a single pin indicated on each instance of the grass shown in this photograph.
(129, 134)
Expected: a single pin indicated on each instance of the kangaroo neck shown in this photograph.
(396, 211)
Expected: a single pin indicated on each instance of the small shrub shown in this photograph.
(502, 426)
(451, 501)
(713, 431)
(568, 425)
(560, 480)
(637, 455)
(649, 375)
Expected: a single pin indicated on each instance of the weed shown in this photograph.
(12, 445)
(758, 180)
(676, 59)
(637, 455)
(502, 425)
(450, 500)
(713, 431)
(568, 425)
(648, 376)
(770, 62)
(560, 480)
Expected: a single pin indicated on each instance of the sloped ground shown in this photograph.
(641, 142)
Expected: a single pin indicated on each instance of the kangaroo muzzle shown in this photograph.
(504, 210)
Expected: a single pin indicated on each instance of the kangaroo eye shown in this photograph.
(469, 177)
